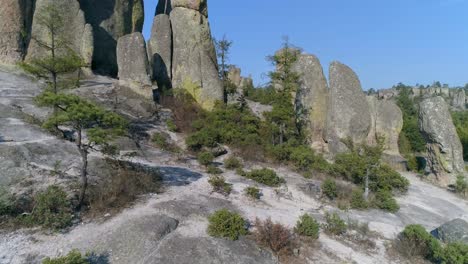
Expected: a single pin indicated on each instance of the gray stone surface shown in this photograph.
(166, 6)
(312, 98)
(387, 123)
(348, 111)
(445, 153)
(184, 250)
(15, 21)
(111, 19)
(160, 51)
(459, 99)
(195, 66)
(75, 32)
(132, 59)
(453, 231)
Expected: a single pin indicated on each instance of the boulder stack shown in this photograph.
(15, 26)
(111, 19)
(348, 111)
(445, 153)
(194, 66)
(132, 59)
(312, 98)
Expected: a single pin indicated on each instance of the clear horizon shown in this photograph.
(417, 41)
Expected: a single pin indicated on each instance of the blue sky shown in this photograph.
(384, 41)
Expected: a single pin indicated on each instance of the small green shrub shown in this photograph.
(213, 170)
(161, 141)
(232, 163)
(307, 226)
(205, 158)
(265, 176)
(227, 225)
(414, 240)
(74, 257)
(357, 200)
(385, 201)
(329, 188)
(220, 185)
(461, 185)
(253, 192)
(334, 224)
(453, 253)
(52, 209)
(172, 126)
(241, 172)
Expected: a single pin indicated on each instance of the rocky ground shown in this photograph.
(171, 227)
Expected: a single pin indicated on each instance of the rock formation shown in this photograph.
(459, 99)
(445, 153)
(239, 83)
(160, 51)
(194, 64)
(15, 26)
(387, 123)
(133, 63)
(348, 112)
(75, 32)
(111, 19)
(312, 98)
(452, 231)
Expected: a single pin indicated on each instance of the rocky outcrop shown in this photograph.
(445, 153)
(312, 98)
(15, 26)
(387, 123)
(160, 51)
(133, 63)
(348, 112)
(452, 232)
(459, 99)
(111, 19)
(166, 6)
(238, 83)
(194, 65)
(75, 32)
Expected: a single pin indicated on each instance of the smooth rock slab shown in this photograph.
(453, 231)
(160, 51)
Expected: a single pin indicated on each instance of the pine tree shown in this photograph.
(94, 126)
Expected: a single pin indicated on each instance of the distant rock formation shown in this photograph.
(160, 51)
(76, 33)
(348, 112)
(15, 27)
(133, 63)
(312, 98)
(111, 19)
(387, 123)
(194, 64)
(459, 99)
(240, 83)
(445, 153)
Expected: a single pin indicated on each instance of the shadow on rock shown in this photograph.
(94, 258)
(175, 176)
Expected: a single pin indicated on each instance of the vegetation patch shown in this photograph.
(329, 188)
(233, 163)
(74, 257)
(274, 236)
(205, 158)
(265, 176)
(220, 185)
(307, 226)
(226, 224)
(334, 224)
(253, 192)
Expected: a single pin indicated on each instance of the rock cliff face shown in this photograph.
(160, 51)
(111, 19)
(193, 65)
(387, 123)
(445, 153)
(312, 98)
(75, 32)
(133, 63)
(15, 27)
(348, 112)
(459, 99)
